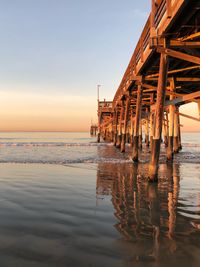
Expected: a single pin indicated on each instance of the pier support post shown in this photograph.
(118, 143)
(147, 128)
(179, 131)
(151, 121)
(136, 124)
(140, 134)
(164, 135)
(131, 129)
(171, 125)
(119, 134)
(98, 137)
(124, 128)
(162, 81)
(123, 136)
(99, 123)
(165, 131)
(176, 143)
(151, 129)
(115, 121)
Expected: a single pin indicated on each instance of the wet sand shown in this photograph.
(103, 214)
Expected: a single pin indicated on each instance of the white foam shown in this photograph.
(50, 144)
(68, 161)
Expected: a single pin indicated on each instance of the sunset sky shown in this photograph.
(55, 52)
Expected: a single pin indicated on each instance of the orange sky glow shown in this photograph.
(22, 111)
(35, 112)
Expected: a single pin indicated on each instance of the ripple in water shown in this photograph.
(103, 216)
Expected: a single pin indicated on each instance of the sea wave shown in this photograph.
(50, 144)
(190, 145)
(68, 161)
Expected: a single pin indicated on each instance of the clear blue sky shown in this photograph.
(64, 48)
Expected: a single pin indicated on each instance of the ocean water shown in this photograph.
(67, 201)
(63, 148)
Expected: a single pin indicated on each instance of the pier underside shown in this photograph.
(163, 74)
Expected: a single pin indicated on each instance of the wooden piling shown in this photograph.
(165, 131)
(136, 124)
(176, 143)
(124, 128)
(164, 135)
(151, 124)
(122, 145)
(140, 134)
(119, 132)
(131, 129)
(99, 123)
(115, 122)
(162, 81)
(179, 131)
(171, 124)
(147, 128)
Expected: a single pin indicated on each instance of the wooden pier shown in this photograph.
(162, 75)
(93, 129)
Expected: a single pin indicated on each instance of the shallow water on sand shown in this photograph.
(101, 213)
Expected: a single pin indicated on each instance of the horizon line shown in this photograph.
(54, 131)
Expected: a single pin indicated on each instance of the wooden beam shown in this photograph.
(186, 97)
(178, 79)
(187, 116)
(190, 37)
(187, 79)
(149, 86)
(168, 92)
(173, 93)
(176, 43)
(179, 55)
(169, 8)
(150, 90)
(172, 72)
(159, 41)
(152, 19)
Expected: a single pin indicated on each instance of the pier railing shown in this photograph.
(105, 106)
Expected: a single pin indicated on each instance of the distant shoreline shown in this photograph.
(70, 131)
(44, 131)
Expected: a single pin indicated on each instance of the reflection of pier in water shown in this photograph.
(149, 215)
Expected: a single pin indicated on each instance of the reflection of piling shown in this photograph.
(140, 208)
